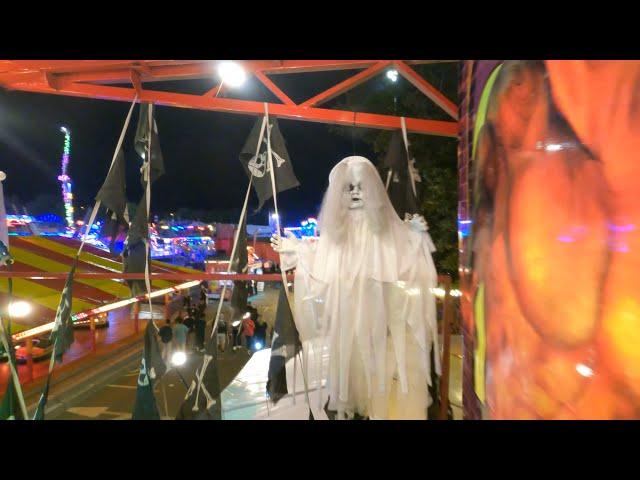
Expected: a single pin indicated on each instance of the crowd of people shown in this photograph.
(186, 332)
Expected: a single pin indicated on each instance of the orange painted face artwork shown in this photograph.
(556, 241)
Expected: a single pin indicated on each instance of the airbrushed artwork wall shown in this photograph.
(549, 218)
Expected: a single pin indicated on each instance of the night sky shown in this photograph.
(200, 148)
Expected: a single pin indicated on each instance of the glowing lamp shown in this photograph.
(232, 74)
(178, 358)
(19, 309)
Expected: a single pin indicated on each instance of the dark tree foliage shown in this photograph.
(436, 157)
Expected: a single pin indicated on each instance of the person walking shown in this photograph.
(199, 326)
(248, 330)
(180, 332)
(189, 322)
(222, 333)
(166, 335)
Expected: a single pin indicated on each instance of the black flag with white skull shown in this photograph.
(258, 165)
(202, 401)
(401, 176)
(62, 335)
(152, 368)
(285, 344)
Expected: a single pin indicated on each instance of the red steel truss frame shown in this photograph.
(95, 79)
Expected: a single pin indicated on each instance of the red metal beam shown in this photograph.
(425, 87)
(118, 71)
(273, 88)
(346, 85)
(338, 117)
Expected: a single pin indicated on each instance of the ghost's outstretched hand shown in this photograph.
(284, 245)
(418, 223)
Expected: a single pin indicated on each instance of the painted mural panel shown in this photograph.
(549, 219)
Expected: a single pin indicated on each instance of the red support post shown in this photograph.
(92, 326)
(136, 317)
(29, 347)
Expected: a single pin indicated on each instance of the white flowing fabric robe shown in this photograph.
(367, 296)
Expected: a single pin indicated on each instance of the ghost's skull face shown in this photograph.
(355, 195)
(354, 192)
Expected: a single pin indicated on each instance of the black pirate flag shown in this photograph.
(152, 367)
(285, 344)
(401, 176)
(202, 401)
(258, 165)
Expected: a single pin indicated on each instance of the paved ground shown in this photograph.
(115, 400)
(121, 326)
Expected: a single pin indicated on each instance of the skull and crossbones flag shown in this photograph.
(285, 344)
(152, 368)
(202, 401)
(258, 165)
(400, 167)
(62, 335)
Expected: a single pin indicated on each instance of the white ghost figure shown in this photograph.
(363, 293)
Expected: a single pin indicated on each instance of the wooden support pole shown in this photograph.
(446, 348)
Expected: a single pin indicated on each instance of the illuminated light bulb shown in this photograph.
(232, 74)
(392, 75)
(19, 309)
(178, 358)
(258, 345)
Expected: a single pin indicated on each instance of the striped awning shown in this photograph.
(56, 254)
